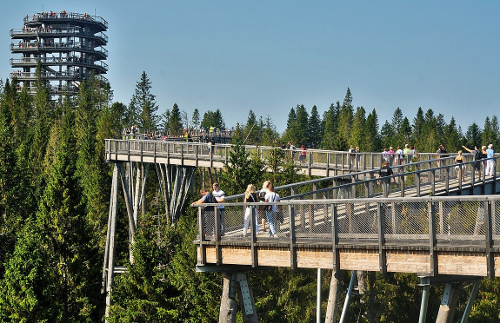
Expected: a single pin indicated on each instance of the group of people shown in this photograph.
(302, 153)
(399, 155)
(484, 155)
(269, 213)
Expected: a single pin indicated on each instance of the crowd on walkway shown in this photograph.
(270, 216)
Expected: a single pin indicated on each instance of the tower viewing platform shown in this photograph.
(68, 46)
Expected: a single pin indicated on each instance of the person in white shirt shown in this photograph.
(220, 196)
(271, 210)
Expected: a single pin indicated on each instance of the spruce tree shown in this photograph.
(174, 121)
(330, 121)
(358, 128)
(196, 119)
(142, 108)
(314, 128)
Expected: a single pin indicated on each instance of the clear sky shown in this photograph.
(269, 56)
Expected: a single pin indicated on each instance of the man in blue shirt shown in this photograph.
(490, 162)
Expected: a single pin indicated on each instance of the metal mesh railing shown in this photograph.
(460, 221)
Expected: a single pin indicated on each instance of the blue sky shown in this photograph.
(269, 56)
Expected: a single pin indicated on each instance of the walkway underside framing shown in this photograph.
(174, 183)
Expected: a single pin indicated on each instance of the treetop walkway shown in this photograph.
(347, 220)
(318, 162)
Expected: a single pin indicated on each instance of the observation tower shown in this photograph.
(69, 47)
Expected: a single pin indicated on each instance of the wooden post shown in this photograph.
(228, 305)
(333, 297)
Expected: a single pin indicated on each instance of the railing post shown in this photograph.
(381, 238)
(327, 164)
(335, 239)
(309, 162)
(293, 254)
(490, 264)
(201, 234)
(432, 239)
(218, 249)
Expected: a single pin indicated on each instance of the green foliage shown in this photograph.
(174, 121)
(213, 119)
(145, 293)
(241, 169)
(195, 119)
(142, 108)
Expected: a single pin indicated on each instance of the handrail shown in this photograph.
(64, 15)
(423, 177)
(59, 31)
(456, 222)
(56, 61)
(33, 46)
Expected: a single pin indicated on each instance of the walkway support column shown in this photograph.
(333, 297)
(229, 306)
(448, 303)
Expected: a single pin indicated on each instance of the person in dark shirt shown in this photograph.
(384, 177)
(476, 156)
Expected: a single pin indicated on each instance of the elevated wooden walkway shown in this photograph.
(317, 162)
(426, 236)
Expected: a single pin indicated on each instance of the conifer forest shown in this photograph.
(55, 194)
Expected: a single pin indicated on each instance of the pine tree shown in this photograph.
(213, 119)
(241, 170)
(345, 117)
(358, 128)
(372, 138)
(300, 128)
(145, 292)
(196, 119)
(27, 283)
(330, 119)
(386, 135)
(315, 130)
(142, 108)
(397, 124)
(174, 121)
(473, 136)
(452, 139)
(252, 130)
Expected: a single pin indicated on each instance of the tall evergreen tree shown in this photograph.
(196, 119)
(174, 122)
(345, 122)
(387, 135)
(252, 130)
(397, 124)
(372, 138)
(473, 135)
(406, 131)
(300, 126)
(315, 131)
(330, 127)
(418, 123)
(142, 108)
(165, 120)
(452, 139)
(358, 128)
(213, 119)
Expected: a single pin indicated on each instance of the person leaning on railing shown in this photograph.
(476, 156)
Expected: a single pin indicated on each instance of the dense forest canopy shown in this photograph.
(54, 197)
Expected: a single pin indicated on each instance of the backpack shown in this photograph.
(478, 155)
(211, 199)
(270, 208)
